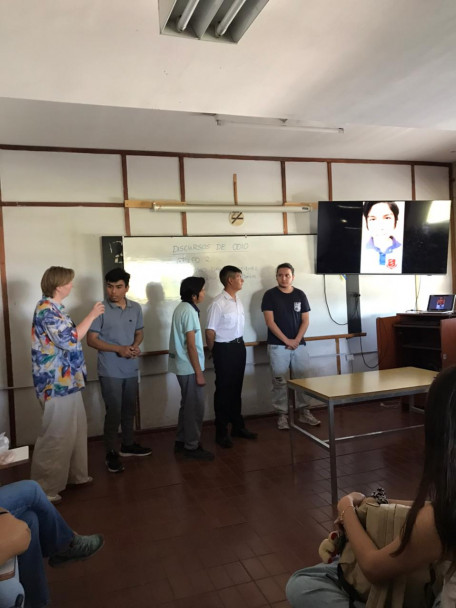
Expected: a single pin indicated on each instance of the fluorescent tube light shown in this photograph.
(275, 123)
(208, 208)
(186, 15)
(228, 18)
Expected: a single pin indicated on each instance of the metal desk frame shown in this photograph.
(407, 381)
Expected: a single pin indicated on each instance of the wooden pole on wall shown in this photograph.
(128, 233)
(412, 176)
(235, 192)
(283, 176)
(125, 194)
(7, 330)
(330, 181)
(182, 192)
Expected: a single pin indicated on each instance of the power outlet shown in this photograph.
(349, 357)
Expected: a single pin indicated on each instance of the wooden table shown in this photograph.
(355, 388)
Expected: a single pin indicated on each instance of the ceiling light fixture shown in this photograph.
(274, 123)
(214, 20)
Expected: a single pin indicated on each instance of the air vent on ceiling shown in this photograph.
(214, 20)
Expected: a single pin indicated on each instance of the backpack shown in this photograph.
(383, 523)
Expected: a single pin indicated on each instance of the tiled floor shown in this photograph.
(225, 534)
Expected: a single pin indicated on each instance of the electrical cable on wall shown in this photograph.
(327, 305)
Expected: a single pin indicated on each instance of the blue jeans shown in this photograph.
(49, 535)
(283, 361)
(317, 587)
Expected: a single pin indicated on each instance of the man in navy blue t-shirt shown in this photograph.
(286, 312)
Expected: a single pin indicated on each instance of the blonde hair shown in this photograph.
(55, 276)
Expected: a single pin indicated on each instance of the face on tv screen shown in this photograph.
(383, 237)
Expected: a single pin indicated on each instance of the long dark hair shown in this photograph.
(438, 481)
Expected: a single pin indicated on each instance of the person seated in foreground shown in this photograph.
(429, 534)
(31, 527)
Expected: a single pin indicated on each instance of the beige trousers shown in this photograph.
(60, 454)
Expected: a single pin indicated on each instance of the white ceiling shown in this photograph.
(97, 73)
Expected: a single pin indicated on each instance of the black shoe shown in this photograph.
(224, 442)
(113, 462)
(198, 454)
(179, 447)
(244, 433)
(134, 450)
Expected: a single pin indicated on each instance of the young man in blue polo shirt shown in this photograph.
(116, 335)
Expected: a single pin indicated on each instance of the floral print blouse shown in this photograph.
(58, 365)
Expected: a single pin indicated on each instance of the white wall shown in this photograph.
(39, 236)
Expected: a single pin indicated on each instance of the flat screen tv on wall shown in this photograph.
(383, 237)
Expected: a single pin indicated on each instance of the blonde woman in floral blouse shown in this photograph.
(59, 373)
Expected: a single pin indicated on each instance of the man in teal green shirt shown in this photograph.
(186, 360)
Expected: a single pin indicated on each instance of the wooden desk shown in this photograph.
(355, 388)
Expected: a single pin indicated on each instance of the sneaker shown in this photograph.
(282, 422)
(198, 454)
(179, 447)
(113, 462)
(55, 499)
(134, 450)
(81, 547)
(306, 417)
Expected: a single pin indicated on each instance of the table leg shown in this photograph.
(332, 453)
(291, 410)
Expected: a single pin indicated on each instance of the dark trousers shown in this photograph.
(229, 365)
(119, 395)
(191, 412)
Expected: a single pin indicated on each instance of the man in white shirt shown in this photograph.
(224, 338)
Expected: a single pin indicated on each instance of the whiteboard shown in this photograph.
(158, 264)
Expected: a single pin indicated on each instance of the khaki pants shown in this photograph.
(60, 454)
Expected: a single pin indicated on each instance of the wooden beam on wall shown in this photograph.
(295, 159)
(412, 175)
(55, 204)
(330, 181)
(125, 194)
(182, 193)
(283, 175)
(7, 330)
